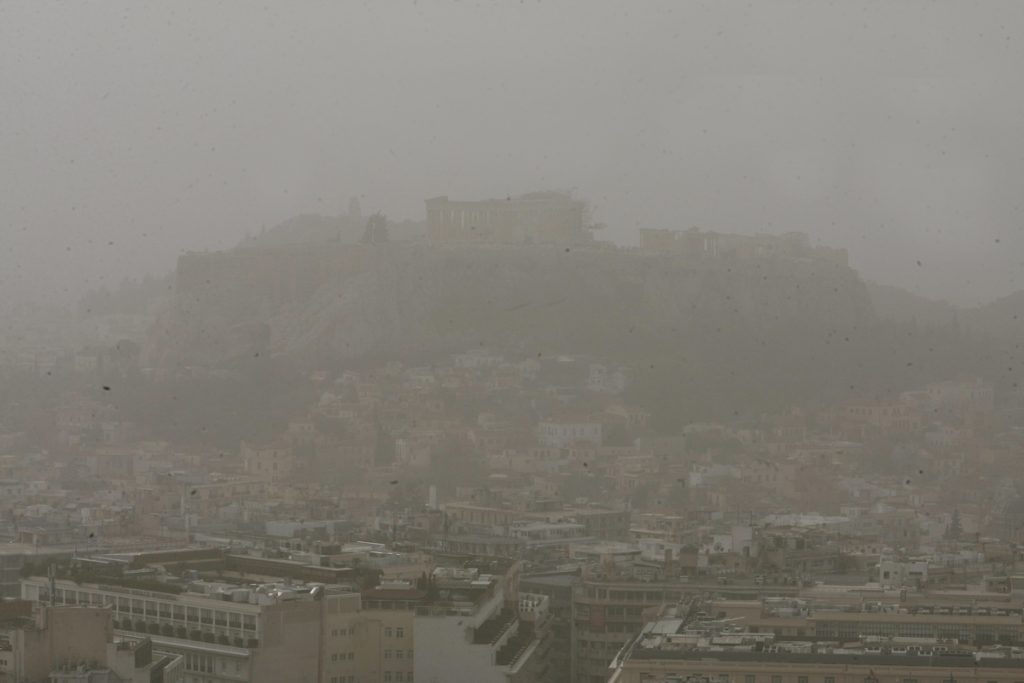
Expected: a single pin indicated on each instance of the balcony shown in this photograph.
(515, 646)
(491, 630)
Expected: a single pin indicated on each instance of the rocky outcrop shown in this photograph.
(345, 301)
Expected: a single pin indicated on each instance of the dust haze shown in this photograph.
(536, 342)
(890, 129)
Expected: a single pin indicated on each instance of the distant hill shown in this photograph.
(709, 338)
(1002, 319)
(894, 303)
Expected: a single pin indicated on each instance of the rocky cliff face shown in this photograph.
(346, 301)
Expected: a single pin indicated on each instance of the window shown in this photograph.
(387, 677)
(399, 632)
(399, 678)
(387, 654)
(388, 632)
(398, 654)
(749, 678)
(776, 679)
(351, 656)
(830, 679)
(801, 679)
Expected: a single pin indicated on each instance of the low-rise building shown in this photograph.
(684, 646)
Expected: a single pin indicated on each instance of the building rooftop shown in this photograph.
(678, 635)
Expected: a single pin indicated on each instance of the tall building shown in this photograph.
(558, 587)
(387, 629)
(537, 218)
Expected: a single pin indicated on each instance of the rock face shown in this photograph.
(336, 301)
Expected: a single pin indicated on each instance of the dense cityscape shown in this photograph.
(574, 341)
(495, 514)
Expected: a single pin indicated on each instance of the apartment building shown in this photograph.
(267, 633)
(387, 629)
(75, 645)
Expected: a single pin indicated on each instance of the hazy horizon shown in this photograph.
(476, 441)
(144, 130)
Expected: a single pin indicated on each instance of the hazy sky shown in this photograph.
(132, 131)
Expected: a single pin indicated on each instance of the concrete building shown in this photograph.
(976, 619)
(54, 637)
(613, 600)
(679, 647)
(76, 645)
(863, 419)
(266, 633)
(608, 609)
(558, 587)
(565, 432)
(14, 557)
(893, 572)
(387, 630)
(268, 462)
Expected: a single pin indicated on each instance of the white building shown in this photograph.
(561, 433)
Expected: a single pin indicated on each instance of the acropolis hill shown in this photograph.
(347, 300)
(715, 322)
